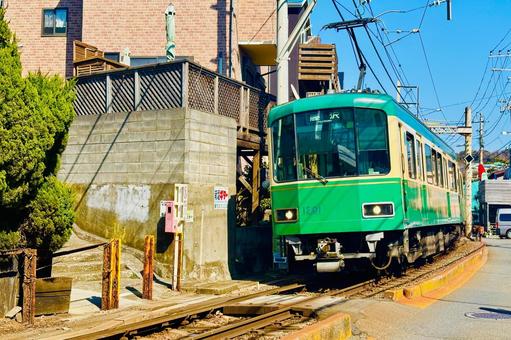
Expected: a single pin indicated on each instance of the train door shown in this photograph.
(411, 182)
(421, 176)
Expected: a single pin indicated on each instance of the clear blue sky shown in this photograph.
(457, 52)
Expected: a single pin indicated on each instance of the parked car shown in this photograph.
(503, 223)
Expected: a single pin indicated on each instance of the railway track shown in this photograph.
(270, 320)
(365, 289)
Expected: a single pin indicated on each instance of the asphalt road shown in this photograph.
(456, 316)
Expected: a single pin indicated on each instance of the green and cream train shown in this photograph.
(357, 179)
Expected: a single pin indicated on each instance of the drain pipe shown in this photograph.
(231, 15)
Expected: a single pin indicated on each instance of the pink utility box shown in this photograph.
(170, 218)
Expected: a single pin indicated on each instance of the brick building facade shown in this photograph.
(202, 31)
(50, 54)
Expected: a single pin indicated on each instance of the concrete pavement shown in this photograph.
(481, 309)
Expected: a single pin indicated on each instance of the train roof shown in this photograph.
(366, 100)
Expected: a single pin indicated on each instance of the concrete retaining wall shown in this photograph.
(120, 165)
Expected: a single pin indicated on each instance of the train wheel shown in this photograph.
(398, 266)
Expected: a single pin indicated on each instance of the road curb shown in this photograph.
(453, 274)
(337, 326)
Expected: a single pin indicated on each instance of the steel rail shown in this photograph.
(354, 290)
(261, 321)
(196, 309)
(246, 326)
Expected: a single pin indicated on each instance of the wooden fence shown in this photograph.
(172, 85)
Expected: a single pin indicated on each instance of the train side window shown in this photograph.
(434, 160)
(429, 164)
(410, 155)
(284, 150)
(420, 165)
(446, 177)
(452, 176)
(439, 172)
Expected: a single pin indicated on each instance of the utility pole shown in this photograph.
(468, 172)
(481, 141)
(285, 43)
(282, 63)
(449, 10)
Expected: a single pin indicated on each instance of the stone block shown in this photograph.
(148, 115)
(151, 156)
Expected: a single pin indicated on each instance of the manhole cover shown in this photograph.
(487, 315)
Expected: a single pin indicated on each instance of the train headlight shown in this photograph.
(384, 209)
(286, 215)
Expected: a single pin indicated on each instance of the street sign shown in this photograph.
(469, 158)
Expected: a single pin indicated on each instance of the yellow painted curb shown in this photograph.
(393, 294)
(337, 326)
(429, 291)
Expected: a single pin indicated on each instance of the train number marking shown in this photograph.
(311, 210)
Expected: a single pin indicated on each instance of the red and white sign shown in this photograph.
(221, 197)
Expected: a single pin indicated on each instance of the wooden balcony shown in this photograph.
(181, 83)
(317, 63)
(88, 59)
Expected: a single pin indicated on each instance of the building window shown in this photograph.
(114, 56)
(139, 61)
(55, 22)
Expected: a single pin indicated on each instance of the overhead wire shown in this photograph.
(374, 48)
(363, 58)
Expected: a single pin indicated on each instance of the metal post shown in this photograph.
(468, 174)
(282, 63)
(108, 98)
(481, 142)
(138, 96)
(231, 16)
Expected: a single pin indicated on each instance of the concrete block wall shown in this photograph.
(121, 165)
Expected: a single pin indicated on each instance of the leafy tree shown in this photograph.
(35, 114)
(50, 215)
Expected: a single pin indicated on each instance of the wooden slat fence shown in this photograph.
(172, 85)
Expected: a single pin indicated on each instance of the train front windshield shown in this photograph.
(330, 143)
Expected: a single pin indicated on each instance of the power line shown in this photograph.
(424, 13)
(431, 76)
(501, 40)
(363, 58)
(375, 49)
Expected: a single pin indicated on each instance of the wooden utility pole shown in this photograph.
(468, 172)
(29, 279)
(147, 284)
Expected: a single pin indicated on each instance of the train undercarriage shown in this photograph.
(359, 251)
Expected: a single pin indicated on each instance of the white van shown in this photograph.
(503, 223)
